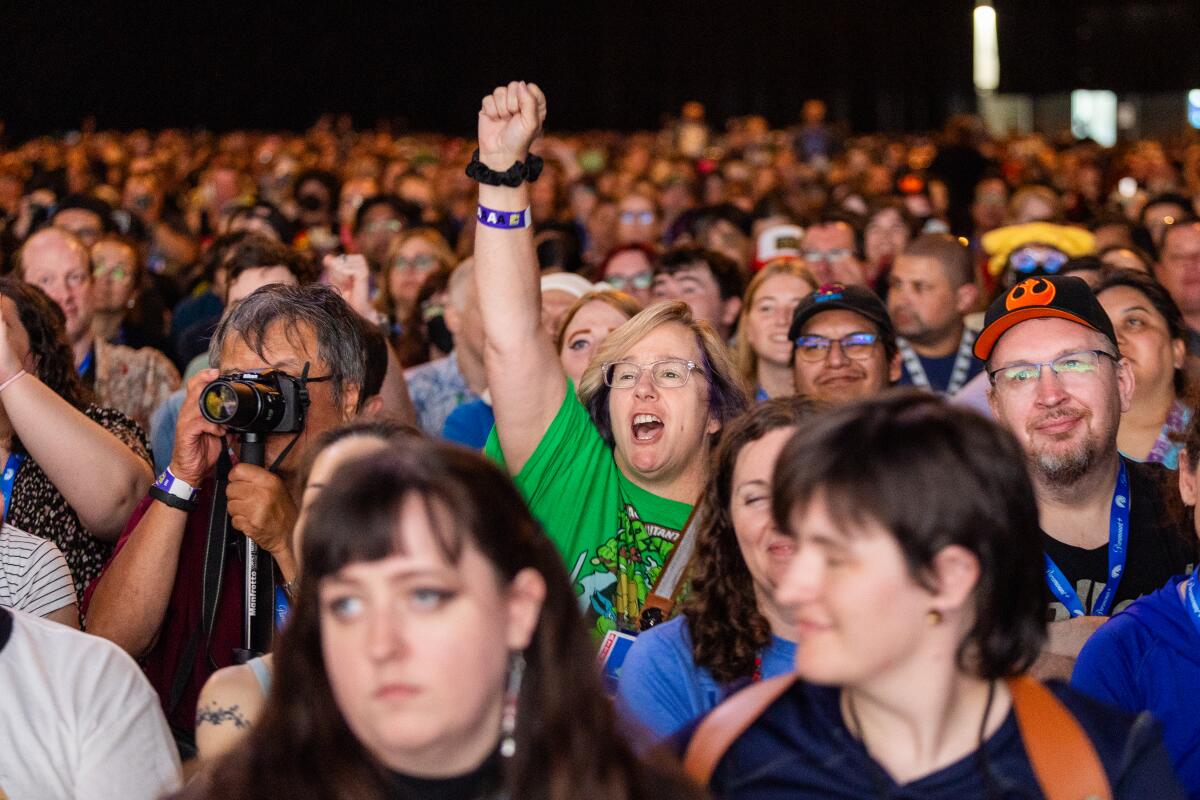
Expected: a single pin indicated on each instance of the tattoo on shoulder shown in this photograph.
(216, 715)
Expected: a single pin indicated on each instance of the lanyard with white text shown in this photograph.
(11, 467)
(1118, 541)
(958, 375)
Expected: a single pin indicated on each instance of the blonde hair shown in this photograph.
(620, 301)
(744, 355)
(727, 396)
(441, 252)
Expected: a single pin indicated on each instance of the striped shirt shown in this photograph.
(34, 576)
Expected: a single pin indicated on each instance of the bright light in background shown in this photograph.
(1094, 115)
(1194, 108)
(987, 51)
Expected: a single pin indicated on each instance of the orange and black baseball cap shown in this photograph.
(1046, 296)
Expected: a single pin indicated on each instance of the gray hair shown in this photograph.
(340, 342)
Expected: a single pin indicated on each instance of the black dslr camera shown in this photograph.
(257, 402)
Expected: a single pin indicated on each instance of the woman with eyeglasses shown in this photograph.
(630, 269)
(1152, 336)
(413, 256)
(128, 311)
(612, 473)
(763, 349)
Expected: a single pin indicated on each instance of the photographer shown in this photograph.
(150, 598)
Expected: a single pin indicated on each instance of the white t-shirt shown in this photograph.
(34, 576)
(78, 718)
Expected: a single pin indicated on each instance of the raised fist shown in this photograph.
(510, 119)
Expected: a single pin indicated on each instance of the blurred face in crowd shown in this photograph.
(1157, 216)
(637, 220)
(631, 272)
(769, 317)
(1066, 423)
(727, 239)
(250, 280)
(1124, 258)
(380, 226)
(764, 548)
(81, 222)
(697, 286)
(1179, 270)
(585, 332)
(417, 647)
(1144, 340)
(113, 270)
(922, 303)
(833, 372)
(412, 263)
(829, 252)
(886, 235)
(58, 265)
(990, 206)
(315, 204)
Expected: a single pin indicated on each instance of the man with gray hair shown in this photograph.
(442, 385)
(149, 599)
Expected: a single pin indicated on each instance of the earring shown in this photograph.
(934, 618)
(512, 694)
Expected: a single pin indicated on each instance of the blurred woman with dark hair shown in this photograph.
(916, 594)
(78, 469)
(1153, 337)
(731, 631)
(435, 650)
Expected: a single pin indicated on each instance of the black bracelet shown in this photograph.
(529, 170)
(174, 502)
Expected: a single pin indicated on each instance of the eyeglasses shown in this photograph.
(1027, 260)
(817, 256)
(1071, 368)
(640, 281)
(383, 226)
(116, 272)
(421, 263)
(858, 346)
(670, 373)
(630, 217)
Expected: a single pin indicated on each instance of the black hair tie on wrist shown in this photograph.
(529, 170)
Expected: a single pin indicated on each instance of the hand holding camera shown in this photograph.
(198, 441)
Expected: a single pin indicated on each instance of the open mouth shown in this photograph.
(646, 427)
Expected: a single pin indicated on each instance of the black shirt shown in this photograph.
(1158, 548)
(482, 783)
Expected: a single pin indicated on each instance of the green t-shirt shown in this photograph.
(613, 535)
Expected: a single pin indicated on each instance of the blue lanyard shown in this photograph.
(86, 364)
(11, 467)
(1190, 599)
(283, 608)
(1118, 540)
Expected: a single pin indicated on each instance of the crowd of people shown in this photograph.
(736, 463)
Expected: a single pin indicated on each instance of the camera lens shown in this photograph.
(220, 402)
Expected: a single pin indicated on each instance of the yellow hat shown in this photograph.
(1000, 242)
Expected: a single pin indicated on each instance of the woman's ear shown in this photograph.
(1187, 478)
(956, 574)
(526, 593)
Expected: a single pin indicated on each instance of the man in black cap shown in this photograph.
(844, 344)
(1060, 385)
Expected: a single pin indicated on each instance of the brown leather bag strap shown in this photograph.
(1064, 761)
(727, 722)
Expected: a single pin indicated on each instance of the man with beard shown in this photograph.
(930, 289)
(1060, 385)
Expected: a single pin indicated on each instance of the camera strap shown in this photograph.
(214, 568)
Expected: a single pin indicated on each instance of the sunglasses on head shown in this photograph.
(1037, 259)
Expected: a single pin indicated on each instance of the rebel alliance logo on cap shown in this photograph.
(1030, 292)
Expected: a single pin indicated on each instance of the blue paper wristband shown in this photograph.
(504, 220)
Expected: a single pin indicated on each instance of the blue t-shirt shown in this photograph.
(470, 424)
(661, 689)
(800, 749)
(1147, 658)
(939, 371)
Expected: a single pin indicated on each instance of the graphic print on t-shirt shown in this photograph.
(613, 583)
(1089, 591)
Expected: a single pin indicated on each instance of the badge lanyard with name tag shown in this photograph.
(958, 375)
(1118, 545)
(1191, 597)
